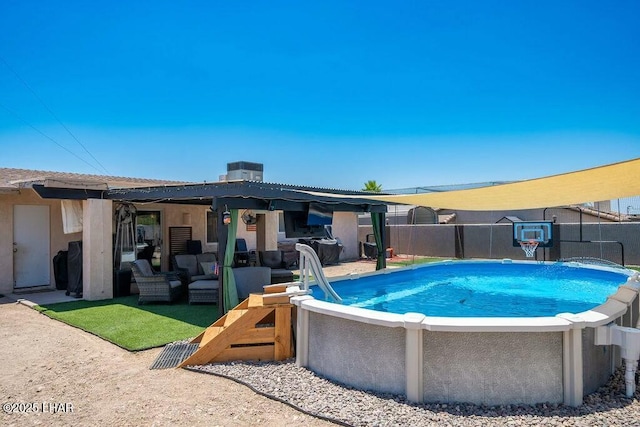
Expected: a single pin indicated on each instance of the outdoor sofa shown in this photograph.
(192, 267)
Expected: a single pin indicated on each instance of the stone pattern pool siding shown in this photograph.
(493, 368)
(368, 357)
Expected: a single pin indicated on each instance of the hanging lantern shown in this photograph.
(226, 216)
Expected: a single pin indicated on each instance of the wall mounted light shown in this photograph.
(226, 216)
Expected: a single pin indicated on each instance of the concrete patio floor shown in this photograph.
(40, 297)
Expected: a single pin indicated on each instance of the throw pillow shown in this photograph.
(210, 268)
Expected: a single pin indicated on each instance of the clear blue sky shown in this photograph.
(327, 94)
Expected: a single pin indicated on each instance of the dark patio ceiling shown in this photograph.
(233, 195)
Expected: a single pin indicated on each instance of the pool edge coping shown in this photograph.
(615, 306)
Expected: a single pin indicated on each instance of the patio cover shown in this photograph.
(232, 195)
(608, 182)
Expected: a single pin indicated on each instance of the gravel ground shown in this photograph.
(318, 396)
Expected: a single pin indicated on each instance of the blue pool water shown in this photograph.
(482, 289)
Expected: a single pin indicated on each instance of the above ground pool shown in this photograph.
(484, 332)
(483, 289)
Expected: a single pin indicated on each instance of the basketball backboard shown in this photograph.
(539, 231)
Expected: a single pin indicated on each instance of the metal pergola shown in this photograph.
(221, 196)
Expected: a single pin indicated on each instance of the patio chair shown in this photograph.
(241, 256)
(155, 287)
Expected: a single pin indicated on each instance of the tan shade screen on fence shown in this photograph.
(590, 185)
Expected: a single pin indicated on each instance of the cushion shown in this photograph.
(205, 257)
(187, 261)
(209, 268)
(204, 285)
(175, 283)
(203, 277)
(145, 267)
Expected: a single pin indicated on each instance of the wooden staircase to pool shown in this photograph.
(259, 328)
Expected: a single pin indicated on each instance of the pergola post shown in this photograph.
(222, 246)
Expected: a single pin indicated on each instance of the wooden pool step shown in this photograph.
(259, 328)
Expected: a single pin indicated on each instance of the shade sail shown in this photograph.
(608, 182)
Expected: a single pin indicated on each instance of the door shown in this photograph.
(31, 243)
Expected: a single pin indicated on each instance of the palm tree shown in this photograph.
(372, 186)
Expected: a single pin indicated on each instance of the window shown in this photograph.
(212, 227)
(281, 228)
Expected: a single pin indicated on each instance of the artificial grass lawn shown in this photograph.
(131, 326)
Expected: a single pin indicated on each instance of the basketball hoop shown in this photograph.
(529, 247)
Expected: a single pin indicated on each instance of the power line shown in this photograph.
(53, 114)
(47, 136)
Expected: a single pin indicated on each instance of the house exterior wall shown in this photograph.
(172, 215)
(58, 240)
(6, 245)
(269, 227)
(345, 228)
(249, 235)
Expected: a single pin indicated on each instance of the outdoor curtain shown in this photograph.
(377, 220)
(230, 293)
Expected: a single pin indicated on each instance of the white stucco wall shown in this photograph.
(345, 228)
(97, 256)
(58, 240)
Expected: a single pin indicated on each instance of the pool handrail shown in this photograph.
(309, 261)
